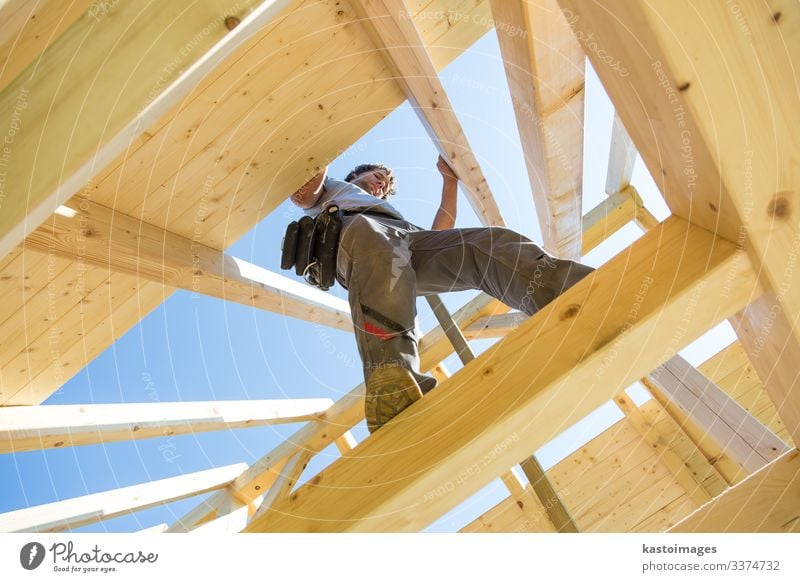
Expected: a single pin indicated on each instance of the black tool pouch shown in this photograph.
(310, 246)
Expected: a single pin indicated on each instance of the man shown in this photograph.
(385, 262)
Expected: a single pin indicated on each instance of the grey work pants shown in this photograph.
(386, 263)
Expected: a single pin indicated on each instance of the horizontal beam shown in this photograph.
(738, 433)
(606, 218)
(767, 501)
(94, 234)
(30, 428)
(599, 340)
(80, 511)
(394, 33)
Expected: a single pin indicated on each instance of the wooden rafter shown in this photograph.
(738, 433)
(72, 513)
(395, 33)
(767, 337)
(29, 27)
(63, 143)
(545, 70)
(88, 232)
(32, 428)
(767, 501)
(661, 447)
(492, 407)
(681, 78)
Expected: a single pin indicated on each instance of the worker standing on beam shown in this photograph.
(385, 262)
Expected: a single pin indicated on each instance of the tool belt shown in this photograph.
(311, 245)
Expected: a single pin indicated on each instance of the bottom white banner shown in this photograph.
(390, 557)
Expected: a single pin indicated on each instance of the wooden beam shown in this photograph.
(598, 224)
(142, 63)
(548, 496)
(495, 325)
(767, 501)
(338, 420)
(740, 435)
(73, 513)
(94, 234)
(493, 407)
(394, 33)
(607, 218)
(681, 76)
(730, 471)
(774, 352)
(434, 346)
(30, 27)
(232, 516)
(285, 481)
(346, 443)
(30, 428)
(621, 159)
(526, 499)
(507, 517)
(214, 507)
(661, 447)
(545, 70)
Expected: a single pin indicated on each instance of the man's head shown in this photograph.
(376, 179)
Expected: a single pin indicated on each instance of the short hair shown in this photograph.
(370, 168)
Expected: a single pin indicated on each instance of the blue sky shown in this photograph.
(198, 348)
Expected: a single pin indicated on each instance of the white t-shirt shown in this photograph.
(350, 197)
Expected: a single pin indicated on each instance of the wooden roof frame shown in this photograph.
(724, 230)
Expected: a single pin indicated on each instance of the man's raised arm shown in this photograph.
(309, 193)
(446, 216)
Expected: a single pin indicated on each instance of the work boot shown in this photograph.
(390, 391)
